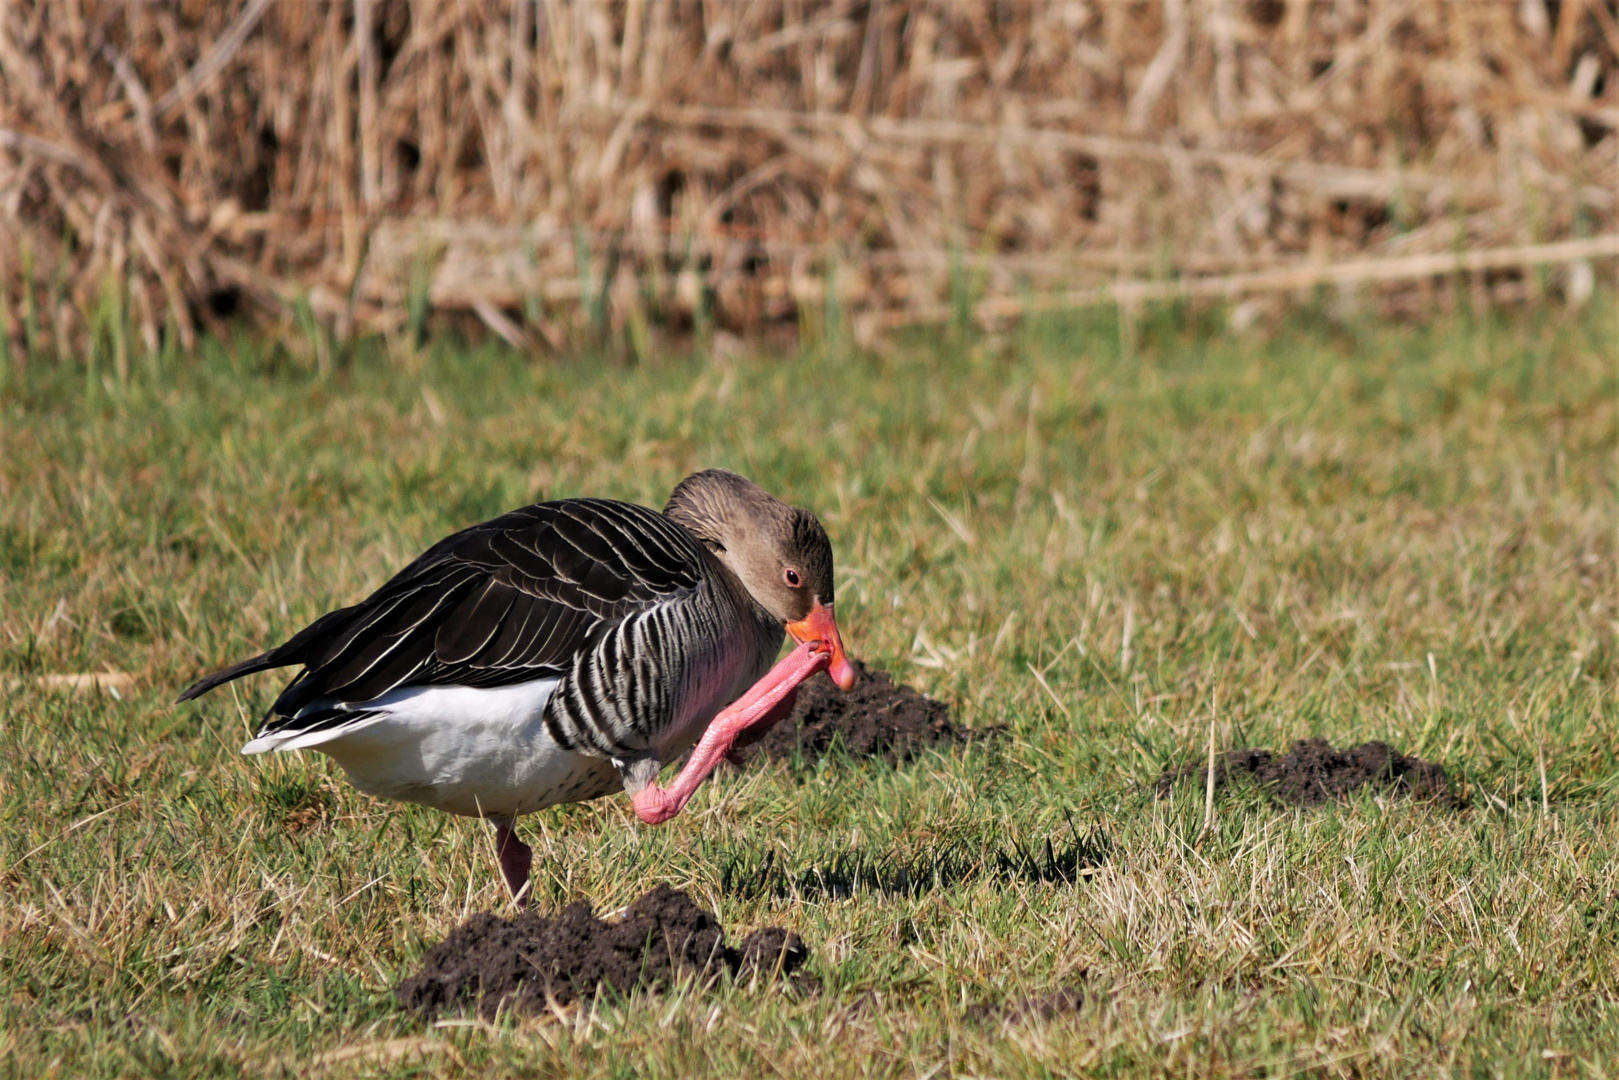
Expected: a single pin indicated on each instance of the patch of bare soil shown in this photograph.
(525, 964)
(1313, 772)
(307, 818)
(878, 718)
(1059, 1002)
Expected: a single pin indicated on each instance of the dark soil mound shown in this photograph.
(522, 963)
(1313, 772)
(878, 718)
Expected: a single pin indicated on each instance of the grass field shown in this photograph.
(1107, 541)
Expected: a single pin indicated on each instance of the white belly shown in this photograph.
(475, 752)
(487, 752)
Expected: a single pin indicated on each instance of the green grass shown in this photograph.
(1351, 530)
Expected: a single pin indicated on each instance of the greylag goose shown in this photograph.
(564, 651)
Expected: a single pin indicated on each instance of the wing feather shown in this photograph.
(474, 623)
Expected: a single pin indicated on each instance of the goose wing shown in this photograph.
(507, 601)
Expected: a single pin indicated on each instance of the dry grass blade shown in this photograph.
(385, 1051)
(214, 60)
(1284, 279)
(116, 683)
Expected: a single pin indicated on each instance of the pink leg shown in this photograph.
(758, 708)
(516, 859)
(758, 730)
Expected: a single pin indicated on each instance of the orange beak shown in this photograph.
(819, 625)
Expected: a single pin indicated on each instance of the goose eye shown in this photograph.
(791, 577)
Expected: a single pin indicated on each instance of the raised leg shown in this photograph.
(757, 730)
(516, 860)
(654, 805)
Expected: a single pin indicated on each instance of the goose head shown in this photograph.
(780, 553)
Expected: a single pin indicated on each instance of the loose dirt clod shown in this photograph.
(878, 718)
(1312, 772)
(527, 963)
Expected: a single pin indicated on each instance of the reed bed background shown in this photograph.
(557, 168)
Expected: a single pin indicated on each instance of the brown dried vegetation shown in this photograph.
(561, 165)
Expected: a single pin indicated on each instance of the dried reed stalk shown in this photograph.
(1281, 279)
(556, 163)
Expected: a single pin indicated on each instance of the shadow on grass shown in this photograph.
(899, 873)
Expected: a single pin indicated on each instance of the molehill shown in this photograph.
(1313, 772)
(523, 964)
(878, 718)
